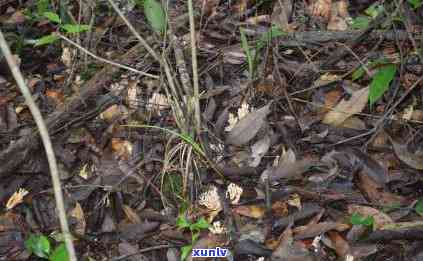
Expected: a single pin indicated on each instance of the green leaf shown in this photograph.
(52, 17)
(39, 245)
(419, 207)
(374, 10)
(42, 7)
(60, 253)
(185, 251)
(201, 223)
(182, 222)
(194, 235)
(357, 219)
(155, 15)
(246, 47)
(75, 28)
(357, 74)
(380, 82)
(268, 36)
(48, 39)
(415, 3)
(360, 22)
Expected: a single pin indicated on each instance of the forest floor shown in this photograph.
(276, 129)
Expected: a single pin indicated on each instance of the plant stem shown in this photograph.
(194, 67)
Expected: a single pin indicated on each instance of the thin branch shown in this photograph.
(194, 66)
(150, 50)
(105, 60)
(46, 142)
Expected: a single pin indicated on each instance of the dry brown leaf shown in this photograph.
(131, 214)
(342, 248)
(375, 192)
(248, 127)
(287, 171)
(354, 123)
(346, 108)
(380, 219)
(250, 211)
(78, 214)
(113, 112)
(312, 230)
(402, 152)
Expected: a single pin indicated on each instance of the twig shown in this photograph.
(105, 60)
(147, 249)
(46, 142)
(194, 67)
(163, 63)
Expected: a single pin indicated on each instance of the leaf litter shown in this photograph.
(308, 146)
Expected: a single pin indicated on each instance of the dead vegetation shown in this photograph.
(279, 130)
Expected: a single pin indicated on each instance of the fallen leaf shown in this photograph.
(113, 112)
(402, 152)
(290, 250)
(342, 248)
(78, 214)
(247, 127)
(131, 214)
(370, 167)
(346, 108)
(380, 219)
(376, 193)
(258, 150)
(250, 211)
(315, 229)
(287, 171)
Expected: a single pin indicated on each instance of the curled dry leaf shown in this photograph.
(402, 152)
(247, 127)
(346, 108)
(380, 219)
(250, 211)
(78, 214)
